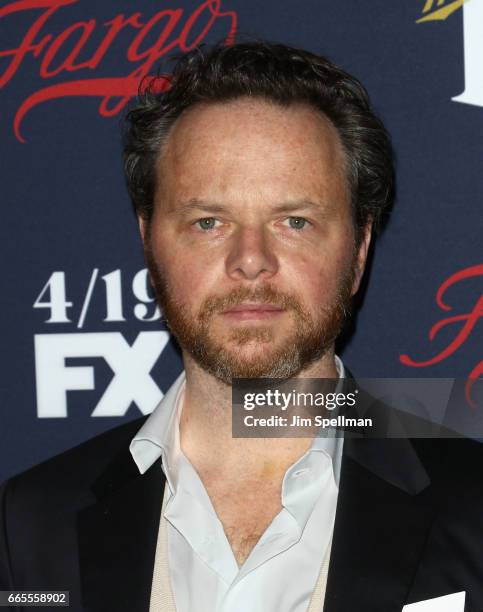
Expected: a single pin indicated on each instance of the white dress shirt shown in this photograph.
(282, 569)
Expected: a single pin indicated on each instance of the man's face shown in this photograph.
(251, 246)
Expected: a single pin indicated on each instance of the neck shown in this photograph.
(206, 426)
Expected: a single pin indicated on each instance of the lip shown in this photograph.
(251, 307)
(251, 311)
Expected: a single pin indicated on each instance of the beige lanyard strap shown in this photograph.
(318, 596)
(162, 599)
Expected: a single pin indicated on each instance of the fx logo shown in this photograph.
(131, 364)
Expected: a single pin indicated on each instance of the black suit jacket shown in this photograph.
(409, 525)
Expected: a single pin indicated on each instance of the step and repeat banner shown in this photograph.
(83, 344)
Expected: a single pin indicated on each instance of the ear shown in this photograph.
(144, 231)
(361, 256)
(142, 227)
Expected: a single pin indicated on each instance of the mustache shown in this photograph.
(265, 294)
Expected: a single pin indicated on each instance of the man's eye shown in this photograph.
(207, 223)
(296, 223)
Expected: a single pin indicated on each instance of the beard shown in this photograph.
(225, 358)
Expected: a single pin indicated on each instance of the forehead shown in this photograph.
(252, 145)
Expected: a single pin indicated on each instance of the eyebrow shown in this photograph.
(294, 205)
(195, 204)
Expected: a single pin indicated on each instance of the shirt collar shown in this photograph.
(159, 435)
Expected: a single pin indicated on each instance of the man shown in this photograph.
(257, 179)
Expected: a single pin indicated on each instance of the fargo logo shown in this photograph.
(440, 10)
(81, 47)
(131, 366)
(465, 324)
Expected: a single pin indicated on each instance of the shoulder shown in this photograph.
(456, 487)
(73, 470)
(452, 460)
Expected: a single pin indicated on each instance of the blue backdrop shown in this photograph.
(83, 347)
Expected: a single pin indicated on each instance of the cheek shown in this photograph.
(190, 279)
(317, 279)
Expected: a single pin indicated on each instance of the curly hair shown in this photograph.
(272, 72)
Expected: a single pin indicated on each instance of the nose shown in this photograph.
(251, 255)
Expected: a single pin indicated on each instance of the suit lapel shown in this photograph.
(383, 515)
(382, 519)
(117, 537)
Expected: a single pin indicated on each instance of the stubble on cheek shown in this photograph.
(276, 353)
